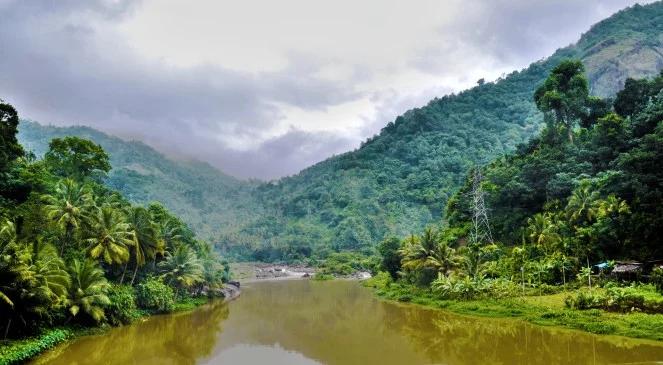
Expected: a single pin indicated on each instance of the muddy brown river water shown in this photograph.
(340, 322)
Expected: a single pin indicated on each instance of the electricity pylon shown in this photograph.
(481, 230)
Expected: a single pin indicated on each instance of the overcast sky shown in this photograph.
(264, 88)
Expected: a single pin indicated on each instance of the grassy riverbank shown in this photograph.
(546, 310)
(20, 351)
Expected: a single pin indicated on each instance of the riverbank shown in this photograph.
(545, 310)
(20, 351)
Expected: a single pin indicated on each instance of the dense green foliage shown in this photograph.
(69, 245)
(153, 294)
(21, 351)
(586, 190)
(562, 200)
(398, 181)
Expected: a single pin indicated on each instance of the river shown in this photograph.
(300, 322)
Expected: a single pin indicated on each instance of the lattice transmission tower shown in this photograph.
(481, 230)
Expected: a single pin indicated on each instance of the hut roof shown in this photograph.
(627, 267)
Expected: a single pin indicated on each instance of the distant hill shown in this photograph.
(396, 182)
(203, 196)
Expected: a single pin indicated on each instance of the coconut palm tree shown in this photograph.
(442, 258)
(181, 268)
(581, 203)
(88, 290)
(111, 236)
(68, 207)
(148, 242)
(543, 232)
(50, 271)
(32, 282)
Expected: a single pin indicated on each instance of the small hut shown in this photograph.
(628, 270)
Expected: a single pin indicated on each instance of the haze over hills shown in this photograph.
(397, 182)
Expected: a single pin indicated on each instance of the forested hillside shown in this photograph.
(207, 199)
(398, 181)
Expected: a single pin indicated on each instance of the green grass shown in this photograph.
(17, 352)
(546, 310)
(187, 304)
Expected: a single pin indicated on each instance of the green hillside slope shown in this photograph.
(201, 195)
(396, 182)
(401, 179)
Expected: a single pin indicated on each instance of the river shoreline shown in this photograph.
(22, 350)
(547, 311)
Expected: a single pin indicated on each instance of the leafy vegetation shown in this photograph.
(72, 250)
(585, 191)
(398, 181)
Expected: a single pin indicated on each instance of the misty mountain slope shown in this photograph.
(200, 194)
(400, 180)
(397, 181)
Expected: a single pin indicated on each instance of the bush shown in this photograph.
(122, 308)
(20, 351)
(657, 279)
(585, 300)
(624, 299)
(155, 295)
(451, 287)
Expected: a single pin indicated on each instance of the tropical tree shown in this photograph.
(10, 149)
(391, 258)
(181, 268)
(77, 158)
(68, 207)
(110, 236)
(147, 240)
(442, 258)
(581, 203)
(32, 282)
(543, 232)
(88, 290)
(565, 94)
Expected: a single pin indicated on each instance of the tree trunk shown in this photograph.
(589, 277)
(124, 271)
(570, 133)
(9, 323)
(134, 275)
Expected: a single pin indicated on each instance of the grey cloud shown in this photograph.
(284, 155)
(503, 33)
(54, 69)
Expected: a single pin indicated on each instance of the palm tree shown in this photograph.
(32, 282)
(543, 232)
(442, 257)
(8, 260)
(581, 203)
(171, 233)
(182, 268)
(88, 290)
(68, 207)
(110, 237)
(50, 272)
(148, 243)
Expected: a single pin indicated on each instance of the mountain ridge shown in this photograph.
(400, 180)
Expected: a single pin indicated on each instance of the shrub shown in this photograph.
(122, 307)
(20, 351)
(624, 299)
(657, 279)
(585, 300)
(155, 295)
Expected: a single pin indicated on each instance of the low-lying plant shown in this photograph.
(20, 351)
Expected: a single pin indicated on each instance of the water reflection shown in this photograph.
(302, 322)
